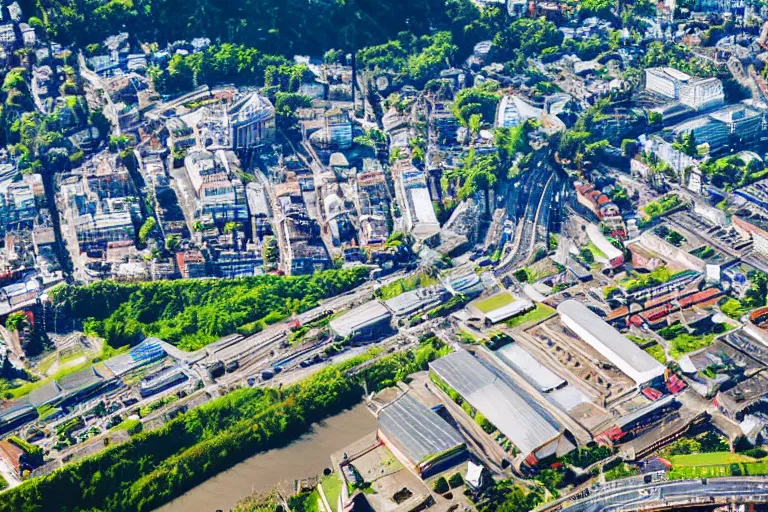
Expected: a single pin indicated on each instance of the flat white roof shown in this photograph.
(609, 342)
(673, 73)
(509, 310)
(596, 237)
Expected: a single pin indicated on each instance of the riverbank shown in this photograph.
(307, 456)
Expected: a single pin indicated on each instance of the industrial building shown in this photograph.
(706, 130)
(419, 437)
(635, 423)
(411, 184)
(617, 348)
(511, 410)
(420, 299)
(336, 130)
(366, 322)
(733, 124)
(530, 368)
(148, 351)
(162, 380)
(511, 306)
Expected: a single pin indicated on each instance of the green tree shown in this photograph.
(441, 486)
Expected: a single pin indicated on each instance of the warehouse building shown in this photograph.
(363, 323)
(408, 303)
(419, 437)
(511, 410)
(614, 346)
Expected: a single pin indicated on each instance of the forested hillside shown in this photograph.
(276, 27)
(192, 313)
(157, 466)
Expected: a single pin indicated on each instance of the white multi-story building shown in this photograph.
(665, 81)
(251, 121)
(702, 94)
(697, 93)
(218, 192)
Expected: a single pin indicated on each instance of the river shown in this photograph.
(306, 456)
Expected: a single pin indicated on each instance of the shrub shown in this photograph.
(440, 486)
(455, 480)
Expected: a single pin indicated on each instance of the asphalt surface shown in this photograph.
(673, 495)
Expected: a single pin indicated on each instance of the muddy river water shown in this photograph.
(306, 456)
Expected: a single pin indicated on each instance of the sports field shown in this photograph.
(494, 302)
(717, 464)
(541, 312)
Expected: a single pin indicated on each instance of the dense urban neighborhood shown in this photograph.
(450, 255)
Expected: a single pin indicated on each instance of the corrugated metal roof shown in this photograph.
(529, 367)
(418, 432)
(360, 317)
(511, 410)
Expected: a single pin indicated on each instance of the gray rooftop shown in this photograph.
(360, 318)
(530, 368)
(511, 410)
(418, 432)
(411, 301)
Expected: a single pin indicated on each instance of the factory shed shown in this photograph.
(363, 322)
(420, 299)
(530, 368)
(515, 413)
(148, 351)
(518, 307)
(419, 436)
(614, 346)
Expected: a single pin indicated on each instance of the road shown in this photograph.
(671, 495)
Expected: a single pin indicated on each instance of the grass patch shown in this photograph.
(684, 472)
(704, 252)
(684, 343)
(661, 206)
(332, 488)
(133, 427)
(3, 483)
(622, 470)
(657, 352)
(46, 364)
(27, 388)
(541, 312)
(46, 411)
(494, 302)
(733, 308)
(405, 284)
(597, 253)
(707, 459)
(305, 502)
